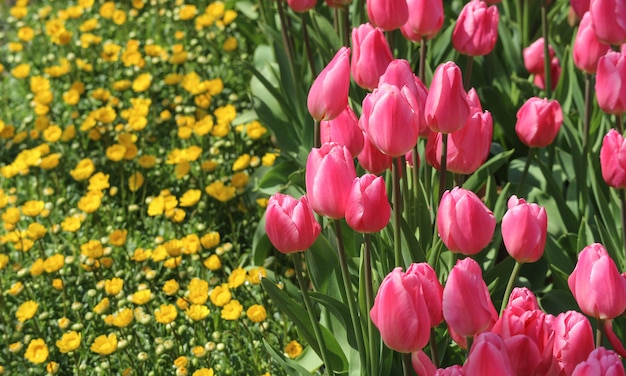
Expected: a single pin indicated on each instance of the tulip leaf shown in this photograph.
(289, 366)
(261, 245)
(274, 179)
(322, 265)
(340, 310)
(558, 301)
(298, 315)
(479, 177)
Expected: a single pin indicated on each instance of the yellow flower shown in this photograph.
(180, 362)
(166, 313)
(71, 97)
(118, 237)
(230, 44)
(220, 295)
(232, 311)
(142, 297)
(203, 372)
(240, 179)
(52, 368)
(198, 291)
(190, 198)
(119, 17)
(104, 345)
(242, 162)
(142, 82)
(83, 169)
(229, 17)
(21, 71)
(32, 208)
(255, 130)
(256, 313)
(36, 231)
(26, 310)
(54, 263)
(107, 9)
(182, 169)
(57, 284)
(92, 249)
(4, 261)
(102, 306)
(71, 224)
(293, 349)
(16, 288)
(70, 341)
(236, 278)
(170, 287)
(50, 161)
(113, 286)
(135, 181)
(123, 318)
(37, 267)
(197, 312)
(90, 202)
(268, 159)
(37, 351)
(98, 182)
(25, 33)
(187, 12)
(116, 152)
(219, 191)
(11, 215)
(213, 263)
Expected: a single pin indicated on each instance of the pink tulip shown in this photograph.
(343, 130)
(455, 370)
(522, 299)
(597, 285)
(587, 48)
(400, 312)
(611, 83)
(370, 55)
(328, 96)
(399, 73)
(555, 74)
(538, 122)
(389, 119)
(301, 5)
(613, 159)
(468, 148)
(600, 362)
(425, 19)
(573, 340)
(609, 20)
(474, 101)
(464, 223)
(467, 306)
(476, 29)
(433, 291)
(488, 356)
(368, 208)
(387, 14)
(329, 176)
(524, 354)
(290, 224)
(447, 108)
(524, 230)
(580, 7)
(422, 95)
(533, 57)
(372, 159)
(422, 365)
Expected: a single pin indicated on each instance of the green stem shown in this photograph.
(444, 164)
(346, 26)
(618, 121)
(422, 69)
(588, 110)
(297, 263)
(317, 138)
(509, 286)
(416, 186)
(434, 352)
(529, 158)
(520, 21)
(599, 333)
(352, 302)
(369, 296)
(307, 44)
(397, 213)
(287, 42)
(547, 63)
(467, 75)
(407, 364)
(470, 341)
(622, 197)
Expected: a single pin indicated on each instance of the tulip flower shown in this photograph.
(422, 364)
(573, 341)
(580, 7)
(432, 290)
(522, 299)
(608, 20)
(343, 130)
(329, 176)
(301, 5)
(372, 159)
(524, 230)
(370, 55)
(474, 101)
(387, 14)
(534, 57)
(399, 73)
(400, 312)
(464, 223)
(611, 83)
(538, 122)
(290, 224)
(328, 96)
(597, 285)
(446, 109)
(612, 159)
(467, 306)
(425, 19)
(600, 362)
(476, 30)
(587, 48)
(368, 209)
(524, 355)
(488, 356)
(555, 73)
(455, 370)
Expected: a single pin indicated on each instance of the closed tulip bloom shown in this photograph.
(611, 83)
(328, 96)
(613, 159)
(464, 223)
(468, 148)
(343, 130)
(368, 209)
(446, 109)
(290, 224)
(399, 73)
(474, 101)
(600, 362)
(372, 159)
(522, 299)
(301, 5)
(573, 341)
(476, 29)
(467, 306)
(400, 312)
(533, 57)
(524, 230)
(455, 370)
(370, 55)
(329, 176)
(433, 290)
(597, 285)
(524, 355)
(587, 48)
(538, 122)
(387, 14)
(555, 74)
(425, 19)
(580, 7)
(488, 356)
(609, 20)
(422, 365)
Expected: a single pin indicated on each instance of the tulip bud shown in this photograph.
(612, 153)
(455, 370)
(447, 108)
(597, 285)
(372, 159)
(522, 299)
(301, 5)
(328, 96)
(476, 29)
(600, 362)
(343, 130)
(523, 354)
(467, 306)
(611, 83)
(573, 341)
(433, 291)
(400, 312)
(368, 209)
(608, 20)
(524, 230)
(425, 19)
(370, 55)
(488, 356)
(290, 224)
(387, 14)
(580, 7)
(555, 73)
(422, 364)
(587, 48)
(464, 223)
(329, 176)
(538, 122)
(534, 57)
(474, 101)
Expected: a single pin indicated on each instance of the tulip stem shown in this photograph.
(317, 138)
(599, 333)
(509, 286)
(397, 213)
(422, 69)
(467, 75)
(307, 45)
(434, 352)
(588, 109)
(297, 263)
(346, 26)
(352, 303)
(407, 364)
(620, 126)
(416, 185)
(444, 164)
(547, 63)
(622, 198)
(369, 296)
(529, 158)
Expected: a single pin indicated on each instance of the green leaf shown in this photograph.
(558, 301)
(289, 366)
(479, 177)
(323, 266)
(340, 310)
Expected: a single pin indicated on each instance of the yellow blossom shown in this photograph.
(142, 297)
(256, 313)
(232, 311)
(220, 192)
(198, 291)
(123, 318)
(190, 198)
(92, 249)
(236, 278)
(102, 306)
(32, 208)
(213, 263)
(37, 351)
(220, 295)
(113, 286)
(104, 345)
(293, 349)
(70, 341)
(197, 312)
(26, 310)
(83, 169)
(166, 313)
(203, 372)
(170, 287)
(54, 263)
(118, 237)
